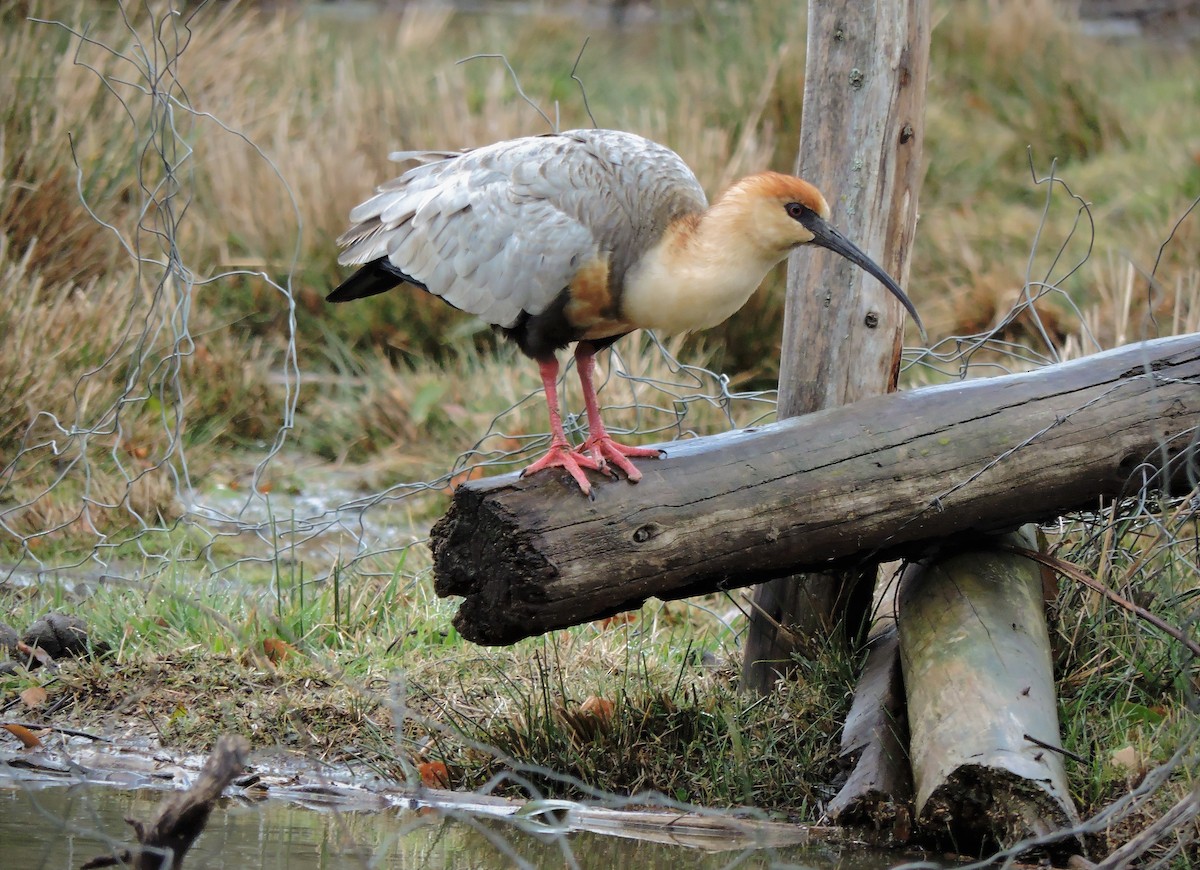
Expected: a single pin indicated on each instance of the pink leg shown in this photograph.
(560, 454)
(599, 443)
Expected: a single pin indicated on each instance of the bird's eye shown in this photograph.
(795, 210)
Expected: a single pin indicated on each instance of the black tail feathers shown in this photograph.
(375, 277)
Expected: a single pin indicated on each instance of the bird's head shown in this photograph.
(781, 212)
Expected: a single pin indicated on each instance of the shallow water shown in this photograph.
(64, 826)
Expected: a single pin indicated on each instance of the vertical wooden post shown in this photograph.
(981, 703)
(860, 143)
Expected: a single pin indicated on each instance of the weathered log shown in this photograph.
(865, 73)
(883, 477)
(875, 739)
(982, 711)
(875, 736)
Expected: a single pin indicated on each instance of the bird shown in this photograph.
(582, 237)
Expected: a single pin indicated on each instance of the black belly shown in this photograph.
(540, 335)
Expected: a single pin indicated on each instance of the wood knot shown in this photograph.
(644, 533)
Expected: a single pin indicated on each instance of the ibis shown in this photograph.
(583, 237)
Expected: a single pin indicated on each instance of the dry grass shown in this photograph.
(317, 106)
(1013, 82)
(98, 399)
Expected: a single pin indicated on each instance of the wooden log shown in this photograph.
(865, 71)
(879, 788)
(982, 711)
(860, 141)
(875, 739)
(884, 477)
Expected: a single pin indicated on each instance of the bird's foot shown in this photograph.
(604, 450)
(560, 455)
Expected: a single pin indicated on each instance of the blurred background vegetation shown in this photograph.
(325, 94)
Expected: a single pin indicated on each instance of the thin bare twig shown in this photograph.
(516, 83)
(1176, 818)
(181, 818)
(582, 90)
(1069, 570)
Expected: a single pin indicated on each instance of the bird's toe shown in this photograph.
(562, 456)
(608, 452)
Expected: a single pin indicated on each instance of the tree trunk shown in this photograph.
(887, 476)
(860, 142)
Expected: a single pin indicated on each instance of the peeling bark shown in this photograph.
(879, 789)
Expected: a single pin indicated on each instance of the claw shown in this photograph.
(603, 449)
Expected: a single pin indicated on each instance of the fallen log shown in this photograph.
(878, 788)
(881, 478)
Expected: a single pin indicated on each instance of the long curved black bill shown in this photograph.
(827, 236)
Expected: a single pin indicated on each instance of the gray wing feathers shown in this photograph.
(503, 229)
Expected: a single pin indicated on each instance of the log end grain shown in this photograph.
(481, 552)
(988, 808)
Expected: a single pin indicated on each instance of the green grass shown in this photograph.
(185, 661)
(374, 675)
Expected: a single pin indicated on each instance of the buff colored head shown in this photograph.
(780, 212)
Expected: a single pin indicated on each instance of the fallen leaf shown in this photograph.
(620, 619)
(277, 650)
(598, 708)
(434, 774)
(34, 696)
(28, 739)
(1129, 759)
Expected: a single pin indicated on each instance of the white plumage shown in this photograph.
(502, 229)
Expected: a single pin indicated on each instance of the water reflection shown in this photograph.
(64, 826)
